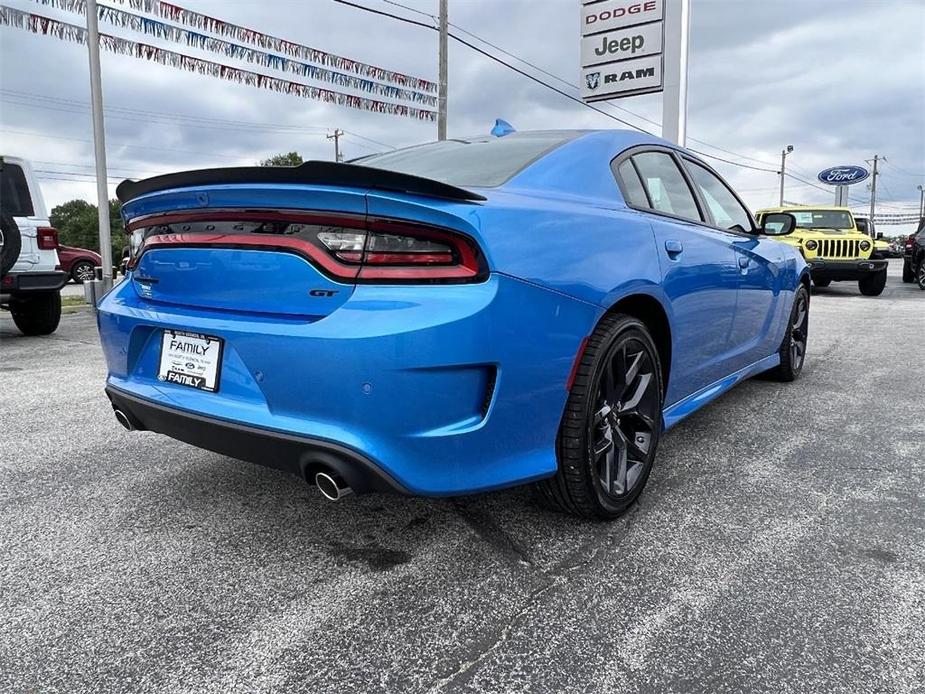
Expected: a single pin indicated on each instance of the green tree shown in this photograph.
(78, 225)
(289, 159)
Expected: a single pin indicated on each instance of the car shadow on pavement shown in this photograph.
(218, 498)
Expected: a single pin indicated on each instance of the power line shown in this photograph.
(621, 108)
(492, 57)
(903, 172)
(516, 69)
(120, 143)
(195, 121)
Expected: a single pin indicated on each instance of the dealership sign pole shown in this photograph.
(632, 47)
(674, 99)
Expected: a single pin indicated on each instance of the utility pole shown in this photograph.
(921, 202)
(442, 73)
(99, 143)
(674, 98)
(783, 170)
(873, 186)
(338, 157)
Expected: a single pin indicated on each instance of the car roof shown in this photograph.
(574, 167)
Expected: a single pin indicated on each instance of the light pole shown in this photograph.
(442, 71)
(783, 164)
(921, 201)
(99, 144)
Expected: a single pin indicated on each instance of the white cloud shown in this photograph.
(838, 80)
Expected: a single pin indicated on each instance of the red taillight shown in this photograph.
(347, 248)
(47, 238)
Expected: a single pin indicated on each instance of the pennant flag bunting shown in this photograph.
(193, 39)
(63, 31)
(202, 22)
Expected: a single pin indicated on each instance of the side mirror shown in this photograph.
(778, 224)
(879, 235)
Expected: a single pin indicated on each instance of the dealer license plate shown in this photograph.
(190, 359)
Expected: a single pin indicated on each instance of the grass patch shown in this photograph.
(73, 301)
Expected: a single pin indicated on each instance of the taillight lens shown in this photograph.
(350, 249)
(398, 251)
(47, 238)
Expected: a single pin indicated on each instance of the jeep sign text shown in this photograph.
(634, 42)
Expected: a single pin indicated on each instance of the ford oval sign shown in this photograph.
(843, 175)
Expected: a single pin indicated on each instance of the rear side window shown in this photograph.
(728, 213)
(15, 199)
(666, 186)
(633, 191)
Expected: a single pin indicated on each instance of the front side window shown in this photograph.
(727, 211)
(666, 186)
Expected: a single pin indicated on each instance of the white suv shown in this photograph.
(30, 281)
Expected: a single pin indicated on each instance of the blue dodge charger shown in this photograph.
(450, 318)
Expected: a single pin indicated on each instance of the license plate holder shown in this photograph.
(190, 359)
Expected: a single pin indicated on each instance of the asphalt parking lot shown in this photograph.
(779, 547)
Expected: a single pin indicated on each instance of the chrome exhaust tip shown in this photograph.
(330, 488)
(123, 419)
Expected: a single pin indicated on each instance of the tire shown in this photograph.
(920, 274)
(793, 348)
(822, 283)
(873, 284)
(10, 243)
(908, 272)
(37, 315)
(612, 423)
(82, 271)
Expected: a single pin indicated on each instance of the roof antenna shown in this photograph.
(502, 128)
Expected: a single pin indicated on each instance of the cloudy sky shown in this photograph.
(840, 80)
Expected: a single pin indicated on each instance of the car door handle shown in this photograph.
(673, 247)
(743, 262)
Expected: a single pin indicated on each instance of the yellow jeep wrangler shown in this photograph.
(834, 248)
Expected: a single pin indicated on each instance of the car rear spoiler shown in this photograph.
(312, 172)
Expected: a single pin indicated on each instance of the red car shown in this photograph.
(78, 263)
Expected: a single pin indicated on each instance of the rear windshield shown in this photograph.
(823, 219)
(15, 199)
(485, 161)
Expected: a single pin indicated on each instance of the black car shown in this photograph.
(914, 257)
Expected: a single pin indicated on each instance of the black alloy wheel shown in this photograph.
(793, 347)
(82, 271)
(920, 274)
(625, 418)
(610, 431)
(799, 331)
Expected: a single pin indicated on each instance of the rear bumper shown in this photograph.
(24, 283)
(845, 269)
(443, 390)
(298, 455)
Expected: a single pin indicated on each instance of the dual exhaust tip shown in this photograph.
(124, 420)
(332, 487)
